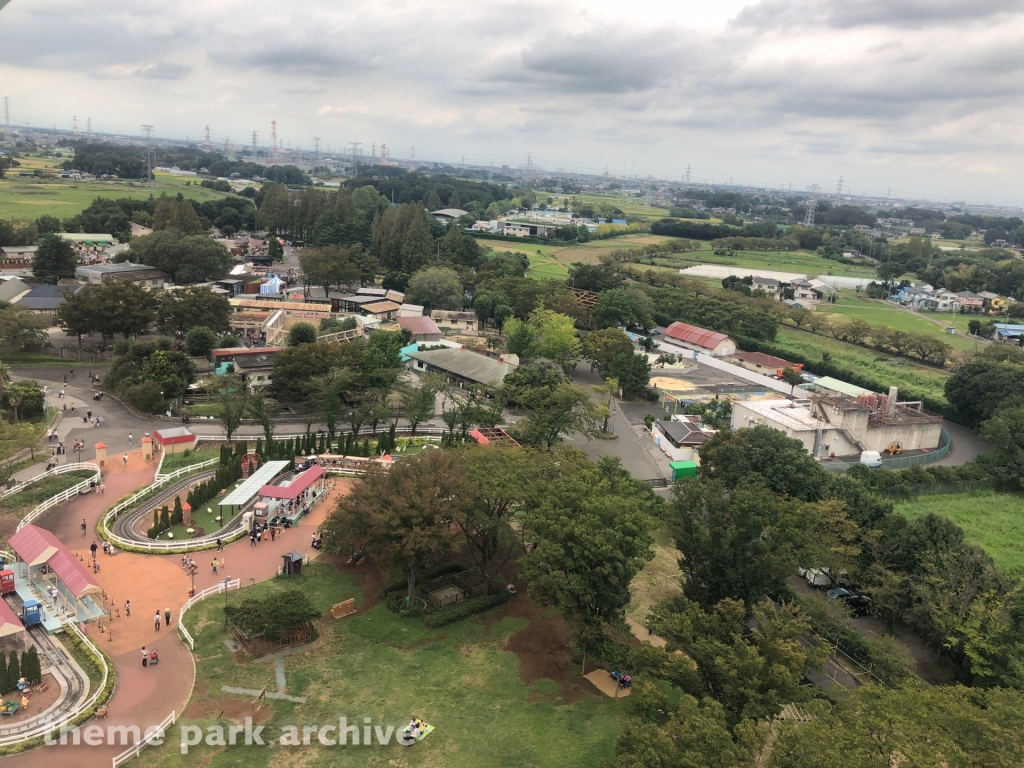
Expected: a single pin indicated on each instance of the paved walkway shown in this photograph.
(145, 696)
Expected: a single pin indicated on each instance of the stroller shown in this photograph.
(624, 681)
(154, 658)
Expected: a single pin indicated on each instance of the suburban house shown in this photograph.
(422, 328)
(769, 365)
(803, 289)
(381, 310)
(943, 301)
(845, 426)
(972, 302)
(410, 310)
(1009, 332)
(526, 229)
(139, 274)
(924, 297)
(462, 365)
(467, 322)
(700, 339)
(994, 303)
(351, 303)
(770, 286)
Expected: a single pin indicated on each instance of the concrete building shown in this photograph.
(465, 322)
(11, 287)
(77, 238)
(845, 426)
(18, 254)
(381, 310)
(410, 310)
(462, 365)
(422, 328)
(681, 437)
(448, 215)
(139, 274)
(700, 339)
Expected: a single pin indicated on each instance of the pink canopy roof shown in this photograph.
(36, 546)
(10, 624)
(297, 486)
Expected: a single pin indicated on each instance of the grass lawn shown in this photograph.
(24, 434)
(179, 460)
(993, 520)
(24, 198)
(627, 205)
(32, 359)
(879, 313)
(460, 679)
(900, 373)
(180, 533)
(658, 581)
(803, 262)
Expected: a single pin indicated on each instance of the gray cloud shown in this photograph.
(844, 14)
(164, 70)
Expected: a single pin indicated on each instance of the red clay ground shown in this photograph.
(146, 696)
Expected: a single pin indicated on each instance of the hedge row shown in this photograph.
(400, 583)
(463, 610)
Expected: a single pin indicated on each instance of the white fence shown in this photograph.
(59, 470)
(157, 545)
(49, 726)
(65, 495)
(199, 597)
(151, 735)
(190, 469)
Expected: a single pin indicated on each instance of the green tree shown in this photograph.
(187, 258)
(418, 401)
(13, 671)
(20, 327)
(436, 288)
(402, 515)
(740, 545)
(520, 338)
(555, 414)
(295, 367)
(607, 391)
(792, 377)
(633, 372)
(601, 347)
(180, 310)
(329, 267)
(118, 307)
(274, 249)
(54, 260)
(263, 412)
(173, 371)
(629, 307)
(590, 530)
(76, 317)
(302, 333)
(199, 341)
(179, 215)
(556, 337)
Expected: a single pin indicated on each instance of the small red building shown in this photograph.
(174, 440)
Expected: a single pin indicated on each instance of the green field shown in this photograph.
(880, 313)
(900, 373)
(178, 460)
(803, 262)
(28, 199)
(993, 520)
(461, 679)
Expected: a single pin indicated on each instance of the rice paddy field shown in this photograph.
(995, 521)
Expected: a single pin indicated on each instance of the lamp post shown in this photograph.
(227, 580)
(79, 447)
(192, 573)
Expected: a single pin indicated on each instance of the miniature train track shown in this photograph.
(53, 655)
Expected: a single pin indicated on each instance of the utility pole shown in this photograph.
(355, 156)
(148, 131)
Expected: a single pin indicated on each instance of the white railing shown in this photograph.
(59, 470)
(65, 495)
(182, 471)
(364, 432)
(151, 735)
(198, 598)
(49, 726)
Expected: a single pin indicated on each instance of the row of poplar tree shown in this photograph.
(13, 670)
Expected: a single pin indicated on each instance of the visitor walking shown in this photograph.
(93, 548)
(214, 564)
(83, 527)
(125, 459)
(156, 619)
(220, 545)
(145, 656)
(129, 439)
(127, 608)
(167, 616)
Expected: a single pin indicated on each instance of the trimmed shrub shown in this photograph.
(459, 611)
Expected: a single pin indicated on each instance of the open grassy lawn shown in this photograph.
(880, 313)
(900, 373)
(993, 520)
(460, 679)
(24, 198)
(178, 460)
(627, 205)
(803, 262)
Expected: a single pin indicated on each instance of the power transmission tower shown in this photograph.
(412, 157)
(273, 142)
(255, 140)
(316, 151)
(687, 182)
(812, 203)
(74, 127)
(7, 120)
(148, 131)
(206, 146)
(839, 188)
(88, 129)
(383, 154)
(227, 146)
(355, 156)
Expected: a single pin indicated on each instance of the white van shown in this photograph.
(872, 459)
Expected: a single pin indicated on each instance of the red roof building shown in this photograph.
(701, 339)
(762, 363)
(174, 439)
(10, 624)
(295, 488)
(36, 546)
(421, 327)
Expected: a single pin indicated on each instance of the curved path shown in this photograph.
(144, 697)
(124, 526)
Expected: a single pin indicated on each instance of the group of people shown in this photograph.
(259, 532)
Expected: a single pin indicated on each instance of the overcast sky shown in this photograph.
(923, 96)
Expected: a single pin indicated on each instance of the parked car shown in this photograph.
(857, 602)
(821, 578)
(655, 332)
